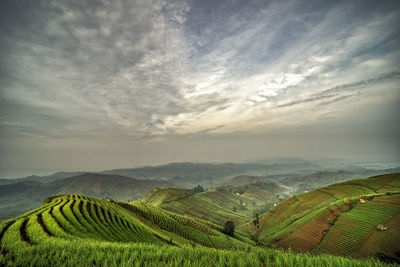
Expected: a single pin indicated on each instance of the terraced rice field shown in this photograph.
(355, 232)
(75, 230)
(282, 220)
(215, 206)
(308, 235)
(332, 220)
(75, 216)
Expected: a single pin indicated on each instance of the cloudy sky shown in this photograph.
(96, 85)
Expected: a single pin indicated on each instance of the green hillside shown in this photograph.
(215, 205)
(102, 185)
(188, 174)
(75, 230)
(340, 219)
(358, 233)
(76, 216)
(18, 198)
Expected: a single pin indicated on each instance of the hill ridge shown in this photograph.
(311, 222)
(83, 230)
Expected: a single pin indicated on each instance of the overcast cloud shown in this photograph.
(107, 84)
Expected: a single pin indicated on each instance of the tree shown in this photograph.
(256, 220)
(198, 189)
(229, 228)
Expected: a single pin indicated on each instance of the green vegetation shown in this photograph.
(357, 229)
(55, 252)
(216, 205)
(75, 230)
(340, 219)
(229, 228)
(20, 197)
(78, 216)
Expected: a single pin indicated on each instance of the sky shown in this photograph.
(95, 85)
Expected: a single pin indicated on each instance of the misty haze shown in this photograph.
(199, 133)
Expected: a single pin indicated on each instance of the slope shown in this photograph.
(324, 220)
(188, 174)
(102, 185)
(216, 205)
(75, 230)
(80, 217)
(17, 198)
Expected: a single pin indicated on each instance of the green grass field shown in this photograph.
(74, 230)
(332, 220)
(216, 205)
(353, 229)
(86, 252)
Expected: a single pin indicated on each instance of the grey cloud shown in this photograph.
(133, 71)
(255, 33)
(307, 100)
(338, 99)
(20, 119)
(114, 57)
(203, 102)
(270, 37)
(361, 84)
(23, 120)
(208, 130)
(354, 89)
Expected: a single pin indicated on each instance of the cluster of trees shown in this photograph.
(197, 189)
(256, 220)
(229, 228)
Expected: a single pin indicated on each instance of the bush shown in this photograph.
(229, 228)
(197, 189)
(387, 258)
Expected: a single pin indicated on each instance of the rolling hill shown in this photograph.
(78, 216)
(217, 205)
(319, 179)
(42, 179)
(17, 198)
(188, 174)
(341, 219)
(182, 227)
(102, 185)
(301, 182)
(76, 230)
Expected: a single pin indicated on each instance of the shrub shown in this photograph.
(229, 228)
(197, 189)
(387, 258)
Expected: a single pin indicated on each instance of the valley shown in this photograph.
(356, 219)
(256, 182)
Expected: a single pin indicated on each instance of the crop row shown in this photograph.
(79, 218)
(356, 228)
(81, 231)
(95, 253)
(75, 216)
(178, 225)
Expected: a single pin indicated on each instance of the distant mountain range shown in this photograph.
(186, 172)
(356, 218)
(28, 193)
(22, 194)
(42, 179)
